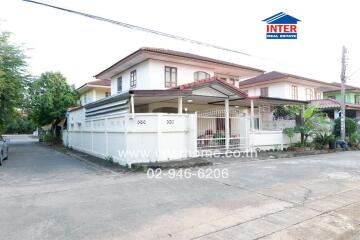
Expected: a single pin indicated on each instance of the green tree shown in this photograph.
(49, 97)
(12, 78)
(20, 124)
(350, 127)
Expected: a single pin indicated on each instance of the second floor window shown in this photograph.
(200, 75)
(107, 94)
(309, 94)
(318, 95)
(119, 84)
(234, 80)
(264, 92)
(357, 99)
(170, 77)
(294, 92)
(133, 79)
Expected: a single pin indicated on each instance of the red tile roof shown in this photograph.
(100, 82)
(204, 82)
(347, 87)
(325, 103)
(274, 75)
(332, 104)
(179, 54)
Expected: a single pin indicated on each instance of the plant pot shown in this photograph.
(332, 144)
(299, 149)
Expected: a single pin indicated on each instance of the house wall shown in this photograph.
(142, 76)
(350, 96)
(93, 95)
(282, 90)
(151, 75)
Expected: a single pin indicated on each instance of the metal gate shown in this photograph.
(211, 133)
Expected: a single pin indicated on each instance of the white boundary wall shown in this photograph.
(148, 137)
(270, 139)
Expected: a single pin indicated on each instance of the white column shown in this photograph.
(259, 117)
(132, 105)
(227, 124)
(252, 115)
(180, 107)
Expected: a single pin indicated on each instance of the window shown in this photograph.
(107, 94)
(170, 77)
(294, 92)
(264, 92)
(119, 84)
(133, 79)
(318, 95)
(357, 99)
(200, 75)
(234, 80)
(309, 93)
(85, 100)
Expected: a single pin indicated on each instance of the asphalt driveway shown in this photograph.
(45, 194)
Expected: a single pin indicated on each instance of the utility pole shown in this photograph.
(343, 95)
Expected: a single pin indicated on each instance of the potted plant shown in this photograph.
(332, 141)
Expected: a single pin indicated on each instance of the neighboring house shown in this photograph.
(332, 101)
(284, 85)
(352, 93)
(170, 105)
(93, 91)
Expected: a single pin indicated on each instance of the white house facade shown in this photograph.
(167, 105)
(287, 86)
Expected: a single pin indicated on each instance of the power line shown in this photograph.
(138, 28)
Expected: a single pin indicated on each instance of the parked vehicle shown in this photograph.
(4, 149)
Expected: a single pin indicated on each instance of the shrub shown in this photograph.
(322, 140)
(49, 137)
(350, 127)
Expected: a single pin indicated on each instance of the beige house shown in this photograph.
(287, 86)
(93, 91)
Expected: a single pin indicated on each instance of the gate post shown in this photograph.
(227, 124)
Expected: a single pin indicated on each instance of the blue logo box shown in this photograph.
(281, 36)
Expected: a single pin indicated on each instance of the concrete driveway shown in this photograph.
(45, 194)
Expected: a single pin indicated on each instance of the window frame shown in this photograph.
(266, 90)
(294, 94)
(133, 79)
(357, 99)
(233, 80)
(196, 75)
(171, 82)
(309, 94)
(119, 79)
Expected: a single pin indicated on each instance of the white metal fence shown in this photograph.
(211, 129)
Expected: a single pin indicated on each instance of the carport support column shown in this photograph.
(227, 124)
(180, 107)
(252, 115)
(132, 106)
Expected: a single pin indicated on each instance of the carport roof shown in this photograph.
(216, 84)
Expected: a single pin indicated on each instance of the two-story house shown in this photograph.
(331, 104)
(93, 91)
(172, 105)
(284, 85)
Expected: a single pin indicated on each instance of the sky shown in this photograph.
(80, 47)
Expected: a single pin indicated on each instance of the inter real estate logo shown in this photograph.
(281, 26)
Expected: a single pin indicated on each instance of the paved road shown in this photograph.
(45, 194)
